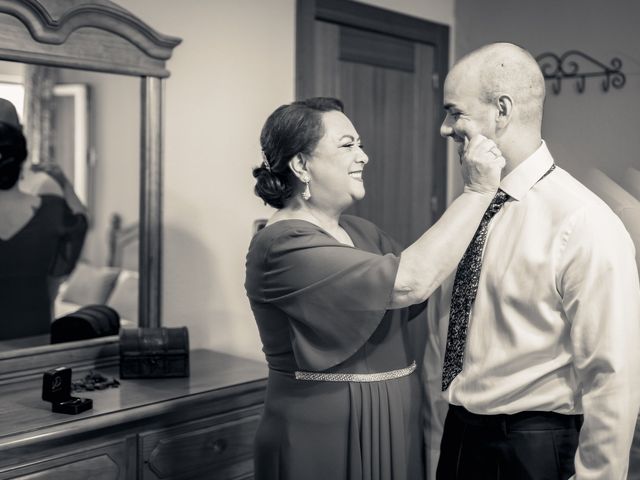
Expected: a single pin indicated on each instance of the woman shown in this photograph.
(328, 291)
(40, 237)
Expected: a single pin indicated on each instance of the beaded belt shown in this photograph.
(356, 377)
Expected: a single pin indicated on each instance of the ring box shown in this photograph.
(56, 388)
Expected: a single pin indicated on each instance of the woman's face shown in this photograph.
(337, 163)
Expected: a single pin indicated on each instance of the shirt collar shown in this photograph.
(518, 182)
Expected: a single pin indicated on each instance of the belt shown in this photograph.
(355, 377)
(528, 420)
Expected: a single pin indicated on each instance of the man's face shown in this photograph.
(467, 114)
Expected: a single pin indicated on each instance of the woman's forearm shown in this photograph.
(426, 263)
(74, 203)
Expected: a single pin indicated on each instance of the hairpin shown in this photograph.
(266, 162)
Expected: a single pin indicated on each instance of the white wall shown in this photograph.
(593, 129)
(115, 134)
(11, 71)
(236, 64)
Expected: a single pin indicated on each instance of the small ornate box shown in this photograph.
(56, 388)
(154, 352)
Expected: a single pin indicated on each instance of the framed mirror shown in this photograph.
(106, 69)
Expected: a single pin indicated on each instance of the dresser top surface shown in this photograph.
(212, 375)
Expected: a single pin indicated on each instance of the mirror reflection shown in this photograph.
(69, 225)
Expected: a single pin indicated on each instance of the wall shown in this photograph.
(13, 74)
(593, 129)
(235, 65)
(115, 137)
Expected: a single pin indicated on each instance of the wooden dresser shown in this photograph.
(201, 427)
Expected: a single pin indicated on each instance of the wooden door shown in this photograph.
(385, 67)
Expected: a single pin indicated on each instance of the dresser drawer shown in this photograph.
(219, 447)
(108, 462)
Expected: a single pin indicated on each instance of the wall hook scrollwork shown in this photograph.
(577, 65)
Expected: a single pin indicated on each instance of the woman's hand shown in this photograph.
(482, 163)
(54, 171)
(68, 193)
(433, 257)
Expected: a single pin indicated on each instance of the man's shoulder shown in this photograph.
(568, 196)
(584, 217)
(577, 214)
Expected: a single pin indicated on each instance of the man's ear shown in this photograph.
(504, 112)
(298, 166)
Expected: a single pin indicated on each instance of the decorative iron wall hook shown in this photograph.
(577, 65)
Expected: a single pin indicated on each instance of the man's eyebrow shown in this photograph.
(448, 106)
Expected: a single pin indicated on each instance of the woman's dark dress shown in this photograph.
(48, 246)
(321, 306)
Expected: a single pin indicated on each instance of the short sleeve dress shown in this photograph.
(321, 306)
(47, 246)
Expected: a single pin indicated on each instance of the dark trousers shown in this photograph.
(523, 446)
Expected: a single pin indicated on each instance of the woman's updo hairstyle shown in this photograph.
(290, 130)
(13, 152)
(13, 145)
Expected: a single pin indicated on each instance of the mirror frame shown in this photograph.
(103, 37)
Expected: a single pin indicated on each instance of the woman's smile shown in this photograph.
(356, 175)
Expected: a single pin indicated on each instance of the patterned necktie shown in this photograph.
(465, 287)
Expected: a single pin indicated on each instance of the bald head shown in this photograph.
(505, 69)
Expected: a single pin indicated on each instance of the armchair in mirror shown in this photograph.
(86, 78)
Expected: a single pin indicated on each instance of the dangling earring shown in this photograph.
(307, 193)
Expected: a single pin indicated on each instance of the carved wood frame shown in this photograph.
(99, 36)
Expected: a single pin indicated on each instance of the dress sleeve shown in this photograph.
(334, 294)
(73, 231)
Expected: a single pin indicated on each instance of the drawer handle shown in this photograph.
(218, 446)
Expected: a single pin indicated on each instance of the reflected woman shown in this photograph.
(329, 294)
(41, 237)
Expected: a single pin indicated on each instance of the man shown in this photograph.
(537, 356)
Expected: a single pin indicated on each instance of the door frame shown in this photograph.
(375, 19)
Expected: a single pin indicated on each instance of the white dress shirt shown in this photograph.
(556, 321)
